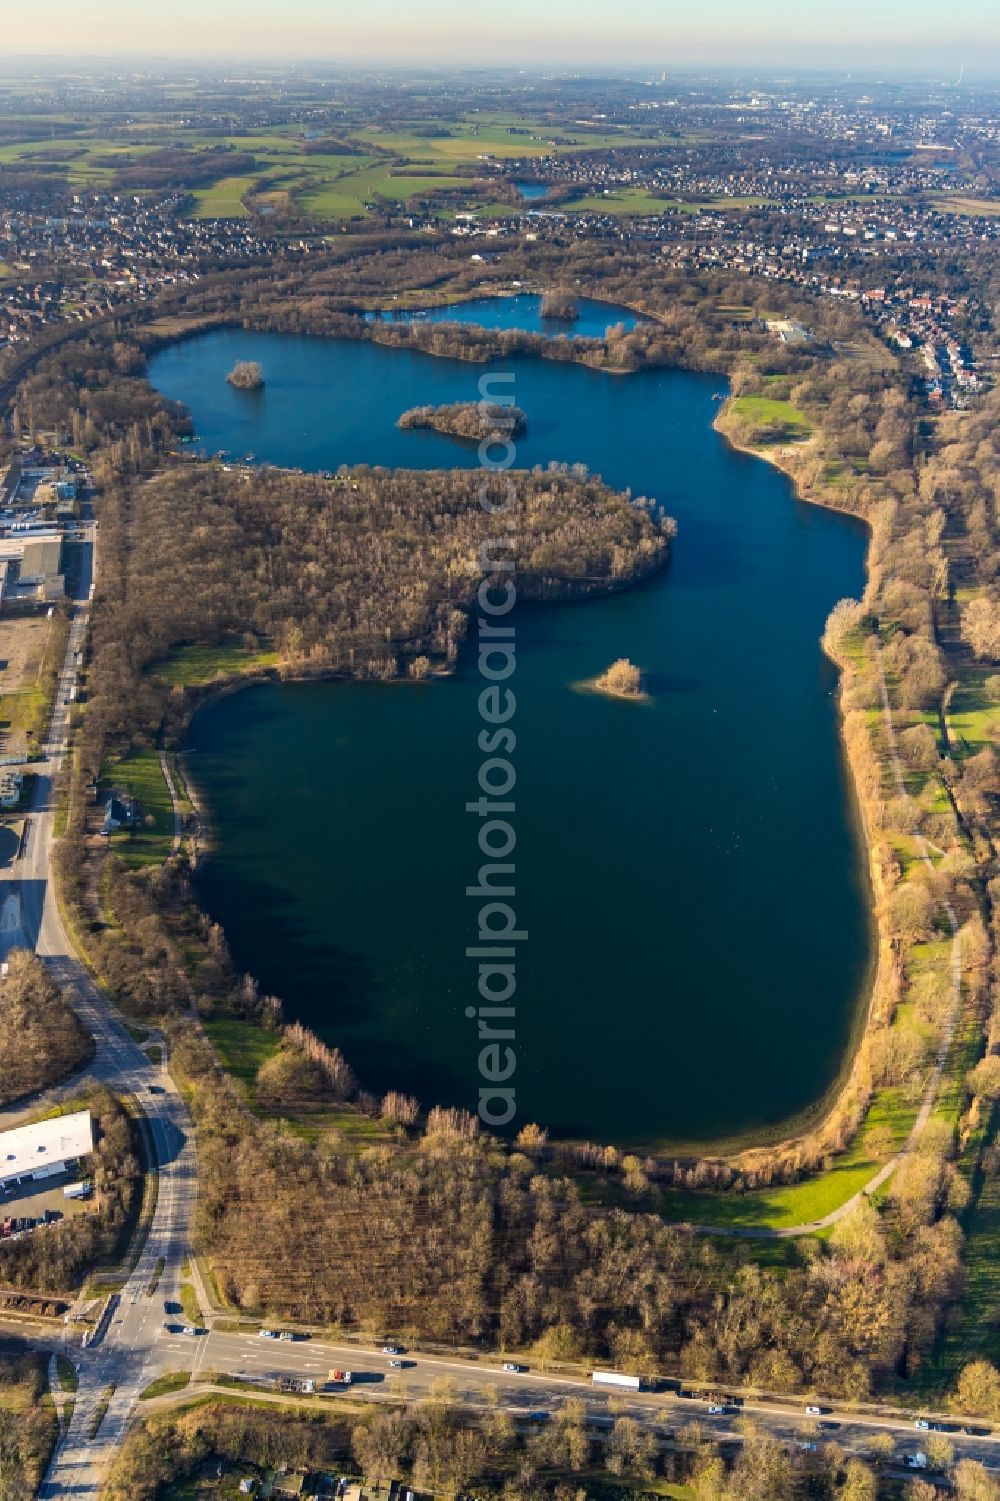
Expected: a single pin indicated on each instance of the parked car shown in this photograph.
(923, 1424)
(515, 1370)
(392, 1349)
(813, 1410)
(267, 1334)
(716, 1408)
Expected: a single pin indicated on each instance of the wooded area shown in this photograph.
(41, 1038)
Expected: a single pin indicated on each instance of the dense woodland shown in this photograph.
(560, 1251)
(41, 1037)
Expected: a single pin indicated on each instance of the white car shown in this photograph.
(188, 1329)
(813, 1410)
(392, 1349)
(923, 1424)
(515, 1370)
(267, 1334)
(716, 1408)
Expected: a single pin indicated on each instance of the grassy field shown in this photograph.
(973, 208)
(636, 201)
(242, 1047)
(196, 666)
(224, 199)
(973, 718)
(139, 774)
(627, 201)
(889, 1121)
(761, 409)
(171, 1381)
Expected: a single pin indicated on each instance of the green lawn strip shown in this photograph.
(242, 1047)
(761, 409)
(139, 773)
(888, 1123)
(171, 1381)
(362, 1130)
(974, 720)
(190, 1304)
(196, 666)
(66, 1371)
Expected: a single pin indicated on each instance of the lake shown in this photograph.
(689, 870)
(531, 192)
(523, 311)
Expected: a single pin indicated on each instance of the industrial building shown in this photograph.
(44, 1149)
(31, 567)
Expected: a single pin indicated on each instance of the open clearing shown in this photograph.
(30, 652)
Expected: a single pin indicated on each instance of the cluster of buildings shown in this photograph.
(39, 503)
(80, 257)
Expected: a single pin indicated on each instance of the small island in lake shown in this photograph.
(246, 375)
(621, 680)
(474, 420)
(559, 303)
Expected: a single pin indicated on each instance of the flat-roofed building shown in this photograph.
(30, 564)
(41, 1150)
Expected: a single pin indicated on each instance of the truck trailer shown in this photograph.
(615, 1378)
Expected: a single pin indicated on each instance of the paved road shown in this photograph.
(33, 920)
(215, 1351)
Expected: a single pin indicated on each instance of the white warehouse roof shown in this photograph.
(45, 1144)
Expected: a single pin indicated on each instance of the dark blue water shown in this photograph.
(688, 870)
(524, 312)
(532, 191)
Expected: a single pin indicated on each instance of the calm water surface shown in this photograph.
(688, 871)
(524, 312)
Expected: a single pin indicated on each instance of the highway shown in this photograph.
(479, 1383)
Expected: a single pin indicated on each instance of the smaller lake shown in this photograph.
(532, 191)
(524, 313)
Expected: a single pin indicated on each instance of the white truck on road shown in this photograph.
(615, 1378)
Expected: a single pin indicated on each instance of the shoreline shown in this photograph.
(813, 1119)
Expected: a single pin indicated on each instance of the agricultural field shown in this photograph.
(224, 199)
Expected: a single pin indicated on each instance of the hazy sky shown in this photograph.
(654, 33)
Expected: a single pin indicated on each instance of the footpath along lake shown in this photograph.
(689, 871)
